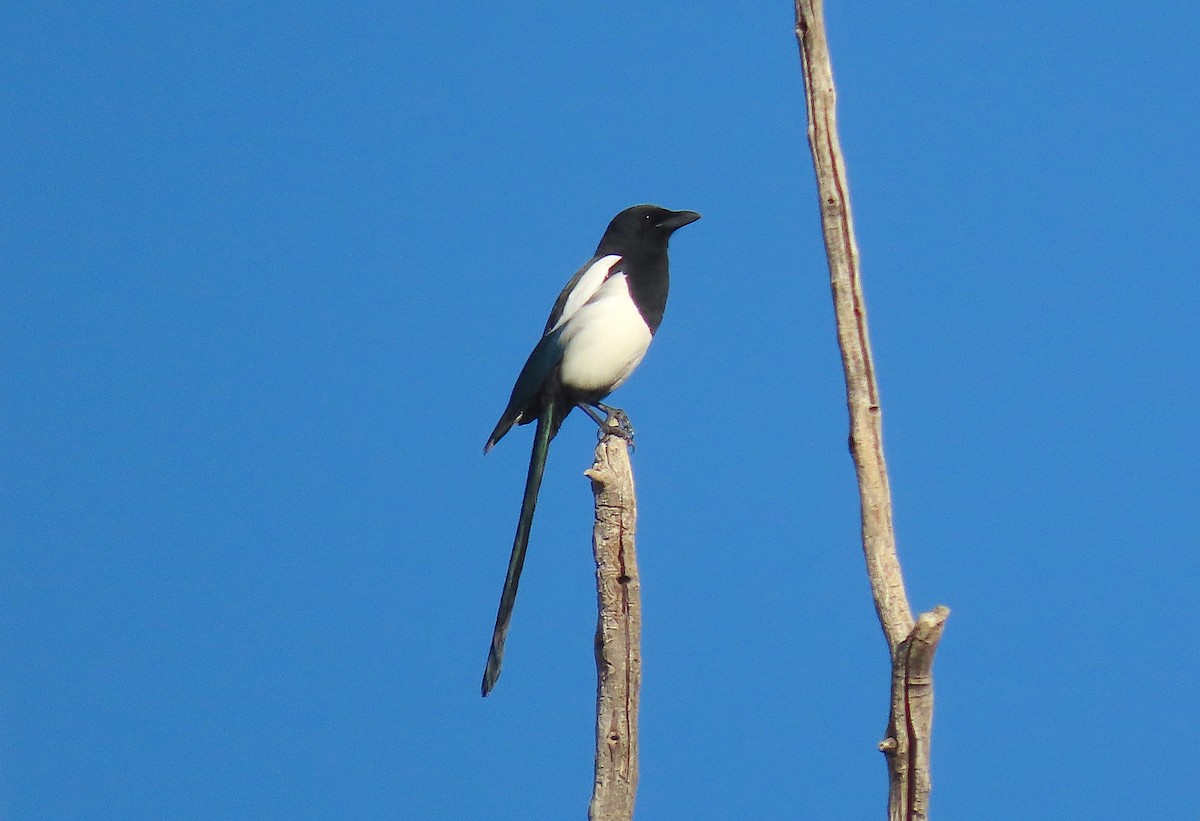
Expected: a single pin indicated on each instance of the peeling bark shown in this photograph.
(618, 633)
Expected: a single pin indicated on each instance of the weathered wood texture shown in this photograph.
(911, 643)
(618, 633)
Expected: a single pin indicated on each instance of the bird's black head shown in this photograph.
(645, 227)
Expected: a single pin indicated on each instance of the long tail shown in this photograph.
(537, 463)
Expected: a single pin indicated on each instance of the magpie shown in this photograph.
(598, 331)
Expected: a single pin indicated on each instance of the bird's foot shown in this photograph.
(617, 424)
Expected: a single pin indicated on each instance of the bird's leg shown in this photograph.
(618, 417)
(604, 423)
(616, 421)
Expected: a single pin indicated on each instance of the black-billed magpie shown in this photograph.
(598, 331)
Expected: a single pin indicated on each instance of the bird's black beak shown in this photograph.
(678, 219)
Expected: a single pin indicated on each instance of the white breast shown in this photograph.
(604, 339)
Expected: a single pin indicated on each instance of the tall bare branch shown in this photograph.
(911, 643)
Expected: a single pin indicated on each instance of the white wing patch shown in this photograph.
(604, 338)
(587, 286)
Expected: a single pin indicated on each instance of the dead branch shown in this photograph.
(911, 644)
(618, 633)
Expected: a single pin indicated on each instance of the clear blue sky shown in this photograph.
(269, 273)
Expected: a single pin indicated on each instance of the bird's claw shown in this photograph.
(617, 424)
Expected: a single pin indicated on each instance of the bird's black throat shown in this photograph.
(649, 281)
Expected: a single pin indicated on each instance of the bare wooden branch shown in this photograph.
(862, 394)
(618, 633)
(911, 720)
(911, 644)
